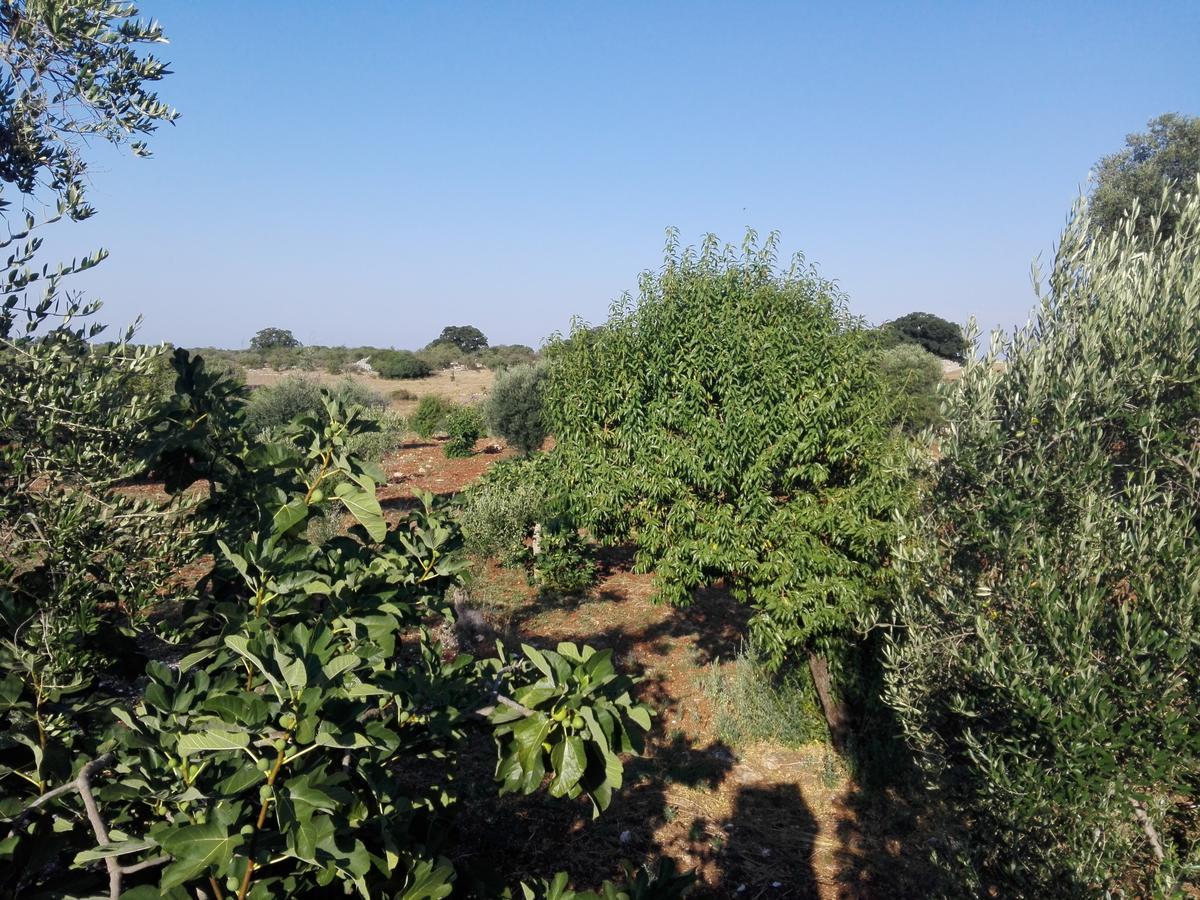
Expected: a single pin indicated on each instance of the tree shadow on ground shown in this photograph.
(505, 840)
(715, 624)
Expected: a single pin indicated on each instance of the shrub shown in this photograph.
(441, 356)
(1044, 665)
(399, 364)
(498, 512)
(506, 356)
(514, 409)
(402, 394)
(465, 427)
(563, 563)
(375, 445)
(912, 376)
(430, 415)
(731, 422)
(274, 406)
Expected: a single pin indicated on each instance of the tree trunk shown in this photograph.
(835, 711)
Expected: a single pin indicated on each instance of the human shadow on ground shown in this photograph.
(766, 847)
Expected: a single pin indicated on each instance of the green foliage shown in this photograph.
(574, 721)
(399, 364)
(277, 405)
(275, 755)
(464, 425)
(1044, 665)
(514, 408)
(663, 883)
(1132, 180)
(442, 356)
(499, 511)
(73, 72)
(563, 563)
(466, 338)
(752, 704)
(273, 339)
(912, 375)
(272, 760)
(430, 415)
(506, 356)
(935, 334)
(731, 422)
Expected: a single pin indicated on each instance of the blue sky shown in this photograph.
(365, 173)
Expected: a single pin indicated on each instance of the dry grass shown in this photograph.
(466, 386)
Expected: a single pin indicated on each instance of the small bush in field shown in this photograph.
(514, 409)
(499, 511)
(441, 356)
(399, 364)
(563, 563)
(403, 394)
(278, 404)
(430, 415)
(465, 427)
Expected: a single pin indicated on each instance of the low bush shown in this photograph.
(375, 445)
(497, 513)
(430, 415)
(514, 409)
(563, 564)
(399, 364)
(464, 425)
(441, 356)
(277, 405)
(505, 356)
(401, 394)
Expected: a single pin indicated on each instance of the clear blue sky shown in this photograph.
(365, 173)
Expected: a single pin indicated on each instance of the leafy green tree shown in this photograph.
(937, 335)
(514, 408)
(1043, 665)
(466, 338)
(399, 364)
(274, 339)
(1166, 154)
(912, 375)
(732, 423)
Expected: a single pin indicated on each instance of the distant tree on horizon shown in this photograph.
(1167, 152)
(273, 339)
(937, 335)
(466, 338)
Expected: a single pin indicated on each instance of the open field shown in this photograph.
(463, 386)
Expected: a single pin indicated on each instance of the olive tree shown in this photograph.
(1043, 664)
